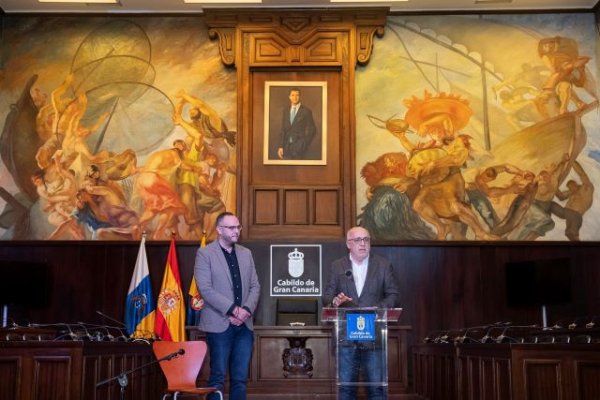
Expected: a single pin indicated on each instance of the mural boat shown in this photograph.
(545, 143)
(19, 142)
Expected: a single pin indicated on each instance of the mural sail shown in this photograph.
(114, 127)
(483, 128)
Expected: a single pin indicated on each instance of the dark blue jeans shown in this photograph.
(230, 351)
(356, 360)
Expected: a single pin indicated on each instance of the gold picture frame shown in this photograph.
(300, 139)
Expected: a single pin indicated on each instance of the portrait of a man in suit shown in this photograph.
(294, 124)
(297, 128)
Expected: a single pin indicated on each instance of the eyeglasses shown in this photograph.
(358, 240)
(231, 227)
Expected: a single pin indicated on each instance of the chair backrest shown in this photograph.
(181, 371)
(297, 310)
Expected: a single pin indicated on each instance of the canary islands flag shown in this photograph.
(196, 302)
(140, 307)
(170, 310)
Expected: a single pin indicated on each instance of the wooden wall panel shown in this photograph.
(543, 380)
(587, 379)
(502, 381)
(52, 377)
(326, 207)
(10, 369)
(435, 372)
(266, 207)
(441, 287)
(316, 216)
(508, 371)
(289, 46)
(62, 370)
(296, 207)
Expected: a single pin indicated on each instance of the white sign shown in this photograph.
(296, 270)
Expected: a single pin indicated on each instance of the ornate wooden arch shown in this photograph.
(296, 201)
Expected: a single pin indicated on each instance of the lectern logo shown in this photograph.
(296, 263)
(360, 323)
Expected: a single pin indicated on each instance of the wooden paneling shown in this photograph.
(504, 372)
(326, 207)
(296, 206)
(52, 377)
(68, 370)
(543, 380)
(441, 287)
(267, 369)
(486, 372)
(288, 46)
(556, 371)
(266, 206)
(587, 379)
(10, 369)
(435, 375)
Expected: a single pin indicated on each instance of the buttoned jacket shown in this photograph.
(380, 289)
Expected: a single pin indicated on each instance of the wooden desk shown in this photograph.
(507, 371)
(267, 374)
(70, 370)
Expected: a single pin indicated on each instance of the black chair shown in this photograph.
(290, 310)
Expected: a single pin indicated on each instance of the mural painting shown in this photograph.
(482, 128)
(114, 127)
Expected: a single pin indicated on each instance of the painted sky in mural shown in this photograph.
(480, 128)
(114, 127)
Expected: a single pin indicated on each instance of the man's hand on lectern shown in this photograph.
(340, 299)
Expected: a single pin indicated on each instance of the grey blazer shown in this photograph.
(214, 282)
(380, 288)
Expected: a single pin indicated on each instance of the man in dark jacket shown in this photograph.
(297, 129)
(361, 280)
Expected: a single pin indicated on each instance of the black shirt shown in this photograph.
(236, 278)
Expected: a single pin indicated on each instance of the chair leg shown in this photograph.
(216, 391)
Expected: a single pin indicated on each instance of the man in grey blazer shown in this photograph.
(227, 279)
(297, 129)
(361, 279)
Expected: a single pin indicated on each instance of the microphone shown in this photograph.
(110, 318)
(179, 352)
(348, 274)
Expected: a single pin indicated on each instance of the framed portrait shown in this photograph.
(295, 130)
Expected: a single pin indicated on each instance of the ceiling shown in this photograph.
(178, 6)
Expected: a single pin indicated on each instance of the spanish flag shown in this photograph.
(196, 302)
(170, 309)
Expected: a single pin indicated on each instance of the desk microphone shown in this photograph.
(110, 318)
(179, 352)
(348, 273)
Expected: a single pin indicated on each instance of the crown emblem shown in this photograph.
(296, 263)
